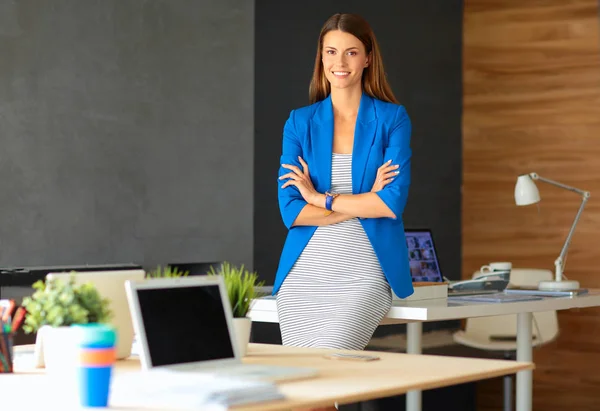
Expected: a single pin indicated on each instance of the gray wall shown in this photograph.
(126, 131)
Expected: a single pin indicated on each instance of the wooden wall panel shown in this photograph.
(532, 103)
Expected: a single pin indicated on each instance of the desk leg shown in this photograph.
(414, 332)
(524, 353)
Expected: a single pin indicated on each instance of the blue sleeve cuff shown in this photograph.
(290, 211)
(395, 199)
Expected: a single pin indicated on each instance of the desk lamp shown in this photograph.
(526, 193)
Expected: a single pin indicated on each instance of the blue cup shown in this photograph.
(96, 359)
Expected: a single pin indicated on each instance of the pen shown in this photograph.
(8, 310)
(4, 355)
(2, 362)
(17, 319)
(8, 352)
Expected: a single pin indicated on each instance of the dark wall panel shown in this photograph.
(126, 131)
(421, 44)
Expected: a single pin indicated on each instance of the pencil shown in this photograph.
(3, 351)
(2, 362)
(17, 319)
(3, 348)
(4, 367)
(9, 352)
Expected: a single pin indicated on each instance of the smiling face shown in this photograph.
(344, 58)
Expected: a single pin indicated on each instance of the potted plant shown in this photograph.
(53, 308)
(241, 286)
(166, 272)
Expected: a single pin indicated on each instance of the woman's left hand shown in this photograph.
(301, 180)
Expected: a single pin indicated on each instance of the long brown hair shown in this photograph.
(374, 82)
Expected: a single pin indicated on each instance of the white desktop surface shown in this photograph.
(416, 312)
(341, 381)
(442, 309)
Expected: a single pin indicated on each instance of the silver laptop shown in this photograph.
(111, 285)
(185, 324)
(425, 267)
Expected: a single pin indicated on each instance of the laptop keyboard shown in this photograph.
(236, 370)
(255, 371)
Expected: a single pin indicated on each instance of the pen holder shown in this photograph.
(6, 353)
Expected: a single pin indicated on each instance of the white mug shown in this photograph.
(492, 267)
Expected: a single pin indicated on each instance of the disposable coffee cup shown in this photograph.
(95, 362)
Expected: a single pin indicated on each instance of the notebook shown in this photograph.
(185, 324)
(500, 297)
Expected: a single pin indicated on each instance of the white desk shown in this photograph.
(416, 312)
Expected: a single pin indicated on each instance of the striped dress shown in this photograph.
(336, 294)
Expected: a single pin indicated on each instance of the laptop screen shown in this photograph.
(185, 324)
(424, 265)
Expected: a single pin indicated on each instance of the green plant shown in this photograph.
(63, 303)
(241, 287)
(166, 272)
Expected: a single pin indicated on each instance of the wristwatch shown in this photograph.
(329, 196)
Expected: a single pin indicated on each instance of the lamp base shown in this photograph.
(558, 285)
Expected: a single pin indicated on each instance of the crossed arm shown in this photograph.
(344, 206)
(301, 204)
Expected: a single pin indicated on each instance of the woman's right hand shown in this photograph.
(385, 175)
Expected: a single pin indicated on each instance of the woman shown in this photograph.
(343, 185)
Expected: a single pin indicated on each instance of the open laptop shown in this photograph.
(425, 267)
(111, 285)
(185, 324)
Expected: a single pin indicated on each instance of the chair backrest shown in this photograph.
(529, 277)
(503, 327)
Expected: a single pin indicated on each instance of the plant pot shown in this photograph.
(241, 329)
(58, 349)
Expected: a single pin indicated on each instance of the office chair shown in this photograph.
(499, 333)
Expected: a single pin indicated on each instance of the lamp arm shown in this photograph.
(536, 176)
(560, 261)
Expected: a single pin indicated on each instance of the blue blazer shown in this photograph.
(382, 133)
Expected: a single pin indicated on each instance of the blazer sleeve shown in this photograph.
(290, 200)
(395, 194)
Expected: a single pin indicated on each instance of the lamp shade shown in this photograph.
(526, 192)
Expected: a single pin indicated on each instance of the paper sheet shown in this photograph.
(162, 389)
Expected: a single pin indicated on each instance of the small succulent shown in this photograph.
(241, 287)
(63, 303)
(166, 272)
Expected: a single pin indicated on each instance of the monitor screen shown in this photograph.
(184, 324)
(424, 265)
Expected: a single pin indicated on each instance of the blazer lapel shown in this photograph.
(364, 133)
(321, 133)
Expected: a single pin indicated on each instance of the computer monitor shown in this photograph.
(422, 256)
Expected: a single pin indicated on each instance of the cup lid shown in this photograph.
(95, 334)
